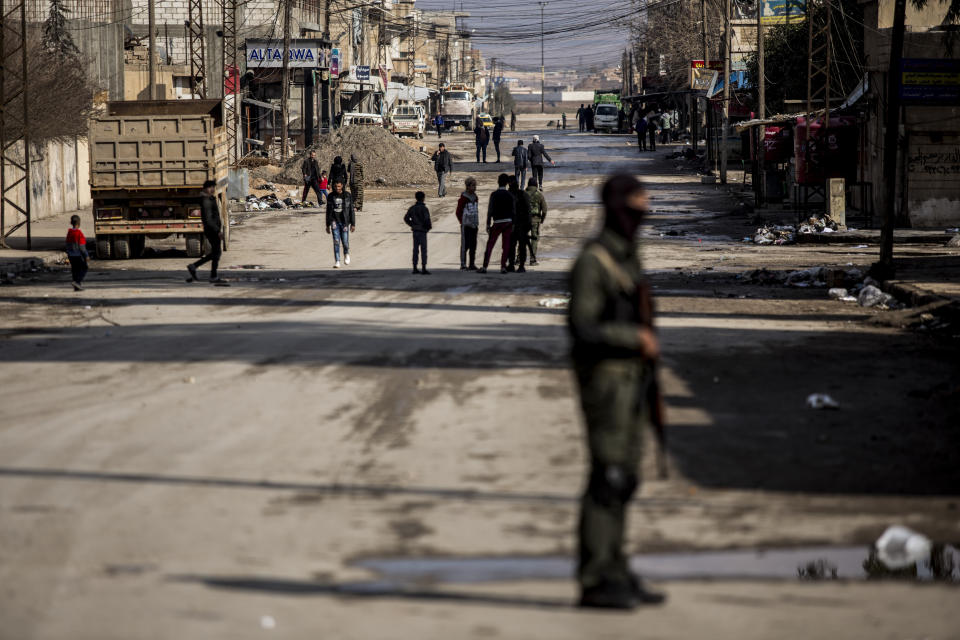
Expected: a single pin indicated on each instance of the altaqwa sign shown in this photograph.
(304, 53)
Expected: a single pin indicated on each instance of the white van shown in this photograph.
(408, 120)
(606, 118)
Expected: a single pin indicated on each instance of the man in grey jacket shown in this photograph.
(418, 219)
(443, 165)
(537, 153)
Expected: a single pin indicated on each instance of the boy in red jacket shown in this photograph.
(77, 253)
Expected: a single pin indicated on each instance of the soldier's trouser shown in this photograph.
(612, 397)
(534, 236)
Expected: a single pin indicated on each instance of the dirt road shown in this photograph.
(182, 460)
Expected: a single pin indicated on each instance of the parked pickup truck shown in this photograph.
(408, 120)
(148, 163)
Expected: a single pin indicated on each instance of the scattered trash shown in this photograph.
(267, 622)
(837, 293)
(86, 306)
(821, 401)
(816, 224)
(954, 241)
(554, 303)
(871, 296)
(899, 547)
(775, 234)
(861, 246)
(190, 380)
(953, 230)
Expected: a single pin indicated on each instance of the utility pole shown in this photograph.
(151, 57)
(761, 187)
(706, 65)
(285, 82)
(884, 268)
(725, 121)
(542, 72)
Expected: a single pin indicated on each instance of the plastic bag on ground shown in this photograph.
(821, 401)
(901, 547)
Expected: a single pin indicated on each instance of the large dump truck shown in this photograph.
(148, 163)
(457, 107)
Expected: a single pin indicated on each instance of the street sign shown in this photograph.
(363, 72)
(930, 80)
(304, 54)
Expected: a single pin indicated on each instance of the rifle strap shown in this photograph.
(610, 265)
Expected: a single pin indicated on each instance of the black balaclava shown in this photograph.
(621, 218)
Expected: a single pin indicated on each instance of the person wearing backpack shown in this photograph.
(468, 215)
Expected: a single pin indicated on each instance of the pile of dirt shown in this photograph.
(386, 160)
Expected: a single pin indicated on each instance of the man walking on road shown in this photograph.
(418, 219)
(520, 161)
(481, 139)
(468, 215)
(614, 349)
(582, 118)
(563, 118)
(520, 235)
(443, 165)
(338, 171)
(513, 120)
(311, 177)
(641, 127)
(500, 211)
(537, 153)
(652, 131)
(212, 231)
(438, 123)
(341, 221)
(497, 130)
(538, 213)
(589, 116)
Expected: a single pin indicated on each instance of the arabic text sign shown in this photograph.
(363, 72)
(925, 81)
(269, 54)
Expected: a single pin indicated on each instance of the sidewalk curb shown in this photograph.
(911, 295)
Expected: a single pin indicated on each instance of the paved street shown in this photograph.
(184, 460)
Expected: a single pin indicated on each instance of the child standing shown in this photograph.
(323, 186)
(418, 219)
(77, 253)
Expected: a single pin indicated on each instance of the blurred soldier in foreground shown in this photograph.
(614, 352)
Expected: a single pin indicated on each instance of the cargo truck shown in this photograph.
(148, 162)
(457, 107)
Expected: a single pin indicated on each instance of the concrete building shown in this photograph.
(928, 172)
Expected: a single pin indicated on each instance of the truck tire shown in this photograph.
(194, 245)
(104, 248)
(121, 248)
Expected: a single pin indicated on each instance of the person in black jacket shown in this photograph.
(418, 219)
(443, 165)
(341, 221)
(338, 171)
(212, 231)
(500, 212)
(311, 177)
(497, 131)
(481, 139)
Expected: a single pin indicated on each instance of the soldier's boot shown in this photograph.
(641, 594)
(608, 595)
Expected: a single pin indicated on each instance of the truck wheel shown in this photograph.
(121, 247)
(194, 246)
(104, 248)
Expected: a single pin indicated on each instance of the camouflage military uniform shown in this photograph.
(607, 308)
(355, 172)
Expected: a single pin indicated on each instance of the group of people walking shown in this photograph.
(514, 217)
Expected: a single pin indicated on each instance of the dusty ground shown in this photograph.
(182, 460)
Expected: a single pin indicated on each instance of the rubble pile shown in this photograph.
(272, 201)
(386, 160)
(819, 225)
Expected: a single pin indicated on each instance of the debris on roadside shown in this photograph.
(954, 241)
(554, 303)
(821, 401)
(820, 224)
(899, 547)
(872, 296)
(775, 234)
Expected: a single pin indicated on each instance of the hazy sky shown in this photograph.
(510, 30)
